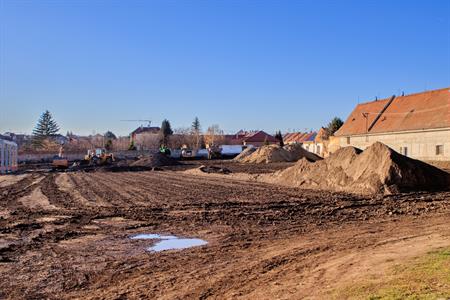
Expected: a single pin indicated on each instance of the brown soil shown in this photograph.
(378, 169)
(155, 160)
(214, 169)
(275, 153)
(244, 154)
(444, 165)
(264, 241)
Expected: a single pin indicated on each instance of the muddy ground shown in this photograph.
(67, 235)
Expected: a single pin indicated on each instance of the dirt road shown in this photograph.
(68, 236)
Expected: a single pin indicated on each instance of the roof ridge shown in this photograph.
(425, 92)
(406, 95)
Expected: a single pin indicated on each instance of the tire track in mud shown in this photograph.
(10, 194)
(189, 199)
(83, 184)
(219, 205)
(57, 197)
(35, 232)
(127, 188)
(125, 192)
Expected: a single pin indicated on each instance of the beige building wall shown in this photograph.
(146, 141)
(415, 144)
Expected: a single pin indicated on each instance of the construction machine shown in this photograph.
(59, 161)
(186, 152)
(98, 157)
(164, 150)
(214, 151)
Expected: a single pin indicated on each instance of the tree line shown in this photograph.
(46, 132)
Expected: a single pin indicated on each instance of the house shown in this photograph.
(415, 125)
(299, 137)
(145, 137)
(245, 138)
(258, 138)
(8, 155)
(317, 142)
(312, 141)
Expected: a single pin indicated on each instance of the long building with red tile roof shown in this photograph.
(416, 125)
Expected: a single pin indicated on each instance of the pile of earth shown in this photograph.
(214, 169)
(276, 153)
(248, 151)
(378, 169)
(154, 160)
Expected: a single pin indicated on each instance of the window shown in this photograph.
(348, 140)
(439, 149)
(318, 149)
(405, 151)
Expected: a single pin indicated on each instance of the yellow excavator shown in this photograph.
(98, 157)
(59, 161)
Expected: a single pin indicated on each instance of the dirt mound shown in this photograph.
(298, 152)
(214, 169)
(154, 160)
(378, 169)
(276, 153)
(244, 154)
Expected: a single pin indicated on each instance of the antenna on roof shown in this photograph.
(149, 121)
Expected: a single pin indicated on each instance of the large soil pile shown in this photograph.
(298, 152)
(275, 153)
(378, 169)
(244, 154)
(154, 160)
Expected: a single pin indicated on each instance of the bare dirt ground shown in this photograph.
(67, 236)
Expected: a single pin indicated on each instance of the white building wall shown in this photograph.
(317, 148)
(420, 144)
(8, 156)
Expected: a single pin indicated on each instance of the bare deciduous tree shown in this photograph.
(214, 135)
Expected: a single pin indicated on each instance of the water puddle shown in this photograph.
(169, 242)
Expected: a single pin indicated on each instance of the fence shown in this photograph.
(47, 157)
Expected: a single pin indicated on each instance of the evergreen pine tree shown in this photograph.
(196, 125)
(279, 137)
(165, 132)
(196, 131)
(334, 125)
(45, 128)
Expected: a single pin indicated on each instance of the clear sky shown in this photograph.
(241, 64)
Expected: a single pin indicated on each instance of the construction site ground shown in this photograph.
(67, 235)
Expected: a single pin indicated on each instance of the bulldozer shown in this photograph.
(98, 157)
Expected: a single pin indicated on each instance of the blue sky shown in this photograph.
(240, 64)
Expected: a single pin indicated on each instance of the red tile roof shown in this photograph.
(299, 137)
(426, 110)
(258, 137)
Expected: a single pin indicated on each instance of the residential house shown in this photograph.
(317, 142)
(258, 138)
(145, 137)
